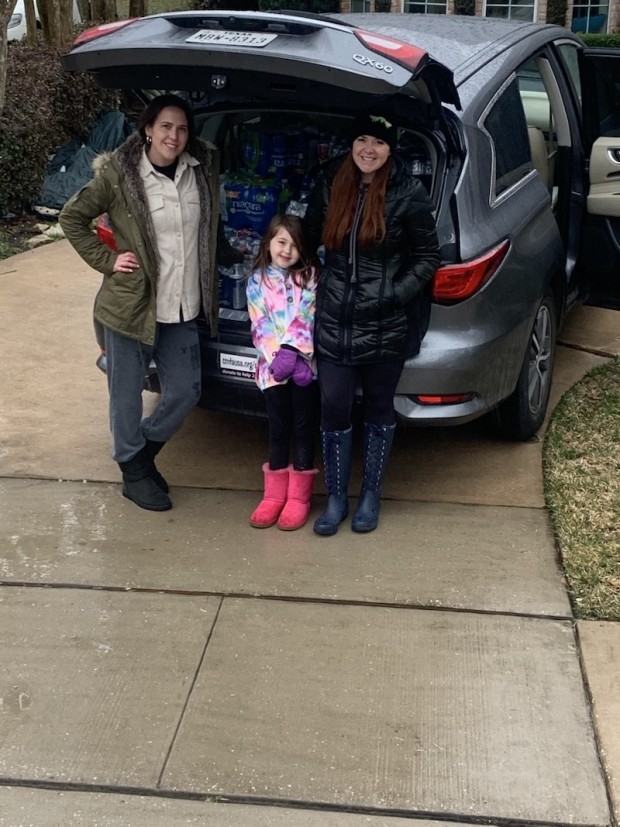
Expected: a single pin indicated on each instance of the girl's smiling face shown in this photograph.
(369, 155)
(283, 250)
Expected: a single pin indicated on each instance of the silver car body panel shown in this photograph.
(475, 346)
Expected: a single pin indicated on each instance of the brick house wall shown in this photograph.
(614, 10)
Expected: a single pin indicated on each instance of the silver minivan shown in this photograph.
(514, 128)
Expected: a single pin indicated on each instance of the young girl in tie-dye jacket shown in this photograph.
(281, 294)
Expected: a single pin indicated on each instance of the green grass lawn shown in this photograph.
(581, 461)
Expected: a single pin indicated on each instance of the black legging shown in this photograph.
(338, 383)
(292, 411)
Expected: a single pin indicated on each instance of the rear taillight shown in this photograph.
(103, 29)
(397, 51)
(442, 399)
(456, 282)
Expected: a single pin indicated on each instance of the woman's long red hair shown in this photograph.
(341, 209)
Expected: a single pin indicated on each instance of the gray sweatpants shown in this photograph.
(177, 355)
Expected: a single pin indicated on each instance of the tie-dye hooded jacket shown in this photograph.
(281, 313)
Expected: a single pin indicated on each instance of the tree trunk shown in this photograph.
(6, 10)
(84, 7)
(31, 22)
(66, 20)
(103, 11)
(56, 21)
(137, 8)
(49, 15)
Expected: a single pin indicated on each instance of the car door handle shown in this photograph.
(614, 154)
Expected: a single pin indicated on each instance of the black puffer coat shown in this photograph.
(373, 302)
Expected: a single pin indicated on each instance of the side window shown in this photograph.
(505, 124)
(548, 127)
(606, 103)
(570, 60)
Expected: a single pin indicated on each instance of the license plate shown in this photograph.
(236, 364)
(254, 40)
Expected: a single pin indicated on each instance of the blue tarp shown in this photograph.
(71, 166)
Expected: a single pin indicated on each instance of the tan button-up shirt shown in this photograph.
(175, 212)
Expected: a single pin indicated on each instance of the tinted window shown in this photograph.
(571, 62)
(506, 125)
(606, 104)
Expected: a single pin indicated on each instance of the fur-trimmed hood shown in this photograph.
(128, 157)
(117, 188)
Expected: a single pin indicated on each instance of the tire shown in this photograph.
(521, 415)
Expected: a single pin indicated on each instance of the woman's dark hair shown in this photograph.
(341, 210)
(305, 269)
(153, 109)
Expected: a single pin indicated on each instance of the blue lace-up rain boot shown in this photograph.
(377, 446)
(337, 449)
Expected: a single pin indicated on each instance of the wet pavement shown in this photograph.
(184, 668)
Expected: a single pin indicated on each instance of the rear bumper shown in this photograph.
(470, 363)
(451, 364)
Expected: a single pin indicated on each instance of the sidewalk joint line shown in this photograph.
(591, 350)
(189, 695)
(284, 803)
(589, 699)
(327, 601)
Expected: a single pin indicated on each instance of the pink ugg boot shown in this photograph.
(295, 512)
(268, 510)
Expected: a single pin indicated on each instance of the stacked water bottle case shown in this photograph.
(271, 166)
(275, 172)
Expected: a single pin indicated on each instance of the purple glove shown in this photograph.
(302, 375)
(284, 364)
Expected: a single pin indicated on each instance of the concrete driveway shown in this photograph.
(183, 668)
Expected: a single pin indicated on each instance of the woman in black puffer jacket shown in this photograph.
(381, 253)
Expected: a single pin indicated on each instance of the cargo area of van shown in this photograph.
(270, 162)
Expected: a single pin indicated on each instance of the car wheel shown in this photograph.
(523, 412)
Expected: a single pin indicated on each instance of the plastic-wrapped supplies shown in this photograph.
(250, 203)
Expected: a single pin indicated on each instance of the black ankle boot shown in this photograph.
(140, 487)
(153, 448)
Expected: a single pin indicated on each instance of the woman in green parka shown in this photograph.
(160, 190)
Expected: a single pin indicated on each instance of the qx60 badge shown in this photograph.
(376, 64)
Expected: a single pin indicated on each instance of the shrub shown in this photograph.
(467, 7)
(44, 108)
(556, 12)
(608, 41)
(313, 6)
